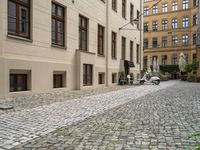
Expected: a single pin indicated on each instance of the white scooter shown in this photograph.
(150, 79)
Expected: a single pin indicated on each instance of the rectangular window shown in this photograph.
(146, 43)
(100, 40)
(155, 25)
(101, 78)
(194, 39)
(155, 42)
(164, 41)
(195, 20)
(58, 25)
(131, 50)
(146, 11)
(185, 4)
(174, 23)
(185, 40)
(124, 8)
(164, 60)
(83, 33)
(138, 17)
(155, 9)
(18, 82)
(131, 13)
(174, 41)
(175, 6)
(114, 45)
(59, 79)
(174, 59)
(164, 24)
(138, 54)
(146, 26)
(114, 5)
(114, 77)
(164, 8)
(87, 74)
(123, 48)
(185, 22)
(19, 18)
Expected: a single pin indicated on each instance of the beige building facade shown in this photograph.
(170, 28)
(65, 45)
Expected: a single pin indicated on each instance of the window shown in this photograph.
(194, 39)
(195, 3)
(155, 42)
(123, 48)
(155, 25)
(185, 22)
(131, 50)
(87, 74)
(155, 9)
(174, 23)
(114, 45)
(114, 77)
(146, 26)
(100, 40)
(19, 18)
(146, 43)
(114, 5)
(59, 79)
(83, 33)
(164, 24)
(131, 13)
(185, 4)
(58, 25)
(138, 54)
(164, 8)
(174, 41)
(138, 17)
(18, 82)
(164, 41)
(185, 39)
(164, 60)
(124, 8)
(146, 11)
(101, 78)
(175, 6)
(195, 20)
(174, 59)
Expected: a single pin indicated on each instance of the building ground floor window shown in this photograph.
(101, 78)
(87, 74)
(114, 77)
(59, 79)
(19, 80)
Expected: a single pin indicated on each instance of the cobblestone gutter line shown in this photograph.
(19, 127)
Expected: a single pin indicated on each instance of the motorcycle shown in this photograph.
(150, 79)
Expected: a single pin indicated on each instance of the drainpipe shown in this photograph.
(107, 40)
(141, 39)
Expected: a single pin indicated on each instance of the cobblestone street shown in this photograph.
(143, 117)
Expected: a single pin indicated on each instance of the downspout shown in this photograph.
(107, 41)
(141, 39)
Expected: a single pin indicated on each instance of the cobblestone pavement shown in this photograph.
(33, 101)
(21, 126)
(125, 119)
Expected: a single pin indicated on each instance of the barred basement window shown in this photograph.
(87, 74)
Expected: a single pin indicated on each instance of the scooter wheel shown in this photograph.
(157, 82)
(141, 82)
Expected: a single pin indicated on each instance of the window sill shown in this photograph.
(114, 58)
(57, 46)
(101, 55)
(19, 38)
